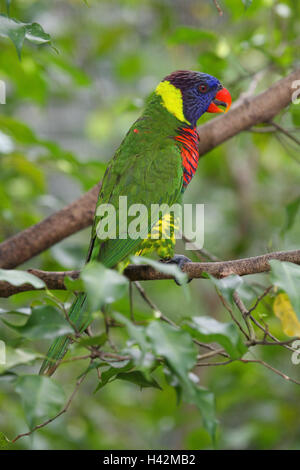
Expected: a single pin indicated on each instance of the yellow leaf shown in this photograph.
(283, 310)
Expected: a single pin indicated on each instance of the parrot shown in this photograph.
(153, 165)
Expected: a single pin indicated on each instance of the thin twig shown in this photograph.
(252, 87)
(210, 354)
(285, 132)
(242, 308)
(264, 342)
(273, 369)
(64, 410)
(151, 303)
(208, 364)
(259, 299)
(220, 11)
(229, 309)
(255, 361)
(267, 333)
(270, 130)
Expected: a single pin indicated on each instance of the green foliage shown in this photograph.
(4, 441)
(180, 353)
(226, 334)
(65, 115)
(138, 335)
(169, 269)
(17, 32)
(45, 322)
(41, 398)
(103, 286)
(175, 346)
(16, 356)
(111, 374)
(137, 377)
(17, 278)
(227, 286)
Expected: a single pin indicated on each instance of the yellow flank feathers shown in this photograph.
(161, 240)
(172, 99)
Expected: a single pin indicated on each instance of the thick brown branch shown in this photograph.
(220, 269)
(78, 215)
(38, 238)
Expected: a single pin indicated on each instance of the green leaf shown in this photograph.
(188, 35)
(2, 352)
(24, 311)
(173, 380)
(198, 396)
(41, 398)
(175, 346)
(13, 30)
(17, 32)
(98, 340)
(8, 377)
(45, 322)
(286, 276)
(205, 402)
(208, 330)
(180, 353)
(4, 441)
(227, 286)
(170, 269)
(73, 285)
(17, 356)
(136, 333)
(19, 131)
(138, 378)
(111, 374)
(93, 365)
(143, 357)
(17, 278)
(36, 34)
(103, 286)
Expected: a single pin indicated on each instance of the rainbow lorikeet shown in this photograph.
(153, 165)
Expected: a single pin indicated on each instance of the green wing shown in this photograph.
(147, 172)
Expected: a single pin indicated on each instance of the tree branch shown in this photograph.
(78, 215)
(220, 269)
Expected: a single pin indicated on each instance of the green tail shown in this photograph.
(60, 346)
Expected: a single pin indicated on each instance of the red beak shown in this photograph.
(223, 98)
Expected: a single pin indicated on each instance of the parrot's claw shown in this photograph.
(180, 261)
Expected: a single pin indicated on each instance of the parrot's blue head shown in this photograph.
(188, 95)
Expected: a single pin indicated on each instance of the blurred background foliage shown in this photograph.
(68, 106)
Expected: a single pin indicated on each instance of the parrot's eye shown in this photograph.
(203, 88)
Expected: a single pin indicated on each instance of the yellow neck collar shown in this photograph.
(172, 99)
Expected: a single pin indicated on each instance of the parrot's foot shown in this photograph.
(180, 261)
